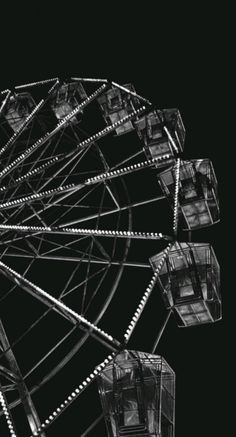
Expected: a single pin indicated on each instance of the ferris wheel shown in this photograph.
(79, 160)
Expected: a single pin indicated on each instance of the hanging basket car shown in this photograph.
(117, 104)
(18, 108)
(67, 97)
(198, 193)
(190, 283)
(137, 392)
(163, 134)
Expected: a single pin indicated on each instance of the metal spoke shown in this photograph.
(76, 259)
(92, 426)
(160, 333)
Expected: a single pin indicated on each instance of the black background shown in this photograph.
(174, 63)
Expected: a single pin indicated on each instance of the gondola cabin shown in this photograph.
(66, 98)
(137, 392)
(198, 193)
(117, 104)
(190, 283)
(162, 133)
(18, 108)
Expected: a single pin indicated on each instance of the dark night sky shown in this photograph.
(180, 68)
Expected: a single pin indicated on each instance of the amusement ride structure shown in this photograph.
(79, 160)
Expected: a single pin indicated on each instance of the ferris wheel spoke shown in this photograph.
(157, 341)
(129, 158)
(33, 84)
(77, 259)
(132, 93)
(41, 195)
(5, 101)
(87, 232)
(176, 198)
(127, 170)
(93, 425)
(82, 79)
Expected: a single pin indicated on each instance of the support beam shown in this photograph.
(92, 426)
(82, 79)
(33, 84)
(88, 232)
(132, 93)
(161, 332)
(78, 259)
(5, 101)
